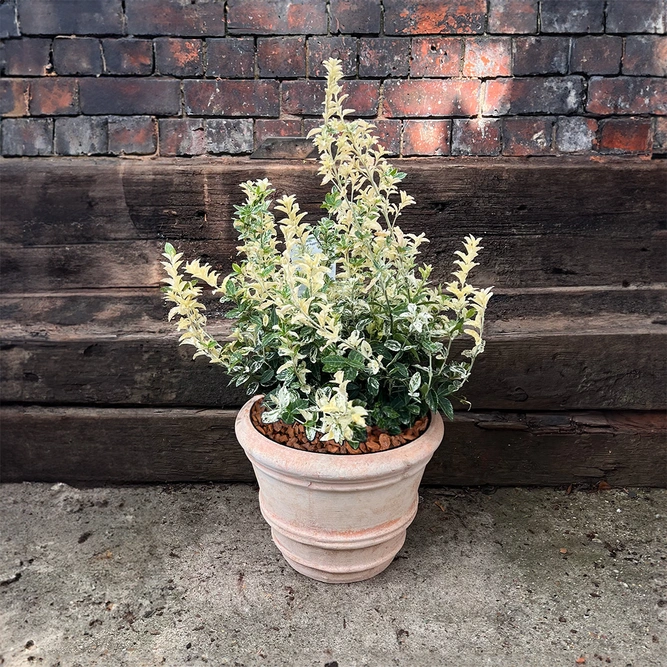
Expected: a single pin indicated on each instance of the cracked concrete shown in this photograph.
(180, 575)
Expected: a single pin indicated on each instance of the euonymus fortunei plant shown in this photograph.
(336, 323)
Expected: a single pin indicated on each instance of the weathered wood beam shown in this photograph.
(135, 310)
(178, 445)
(550, 363)
(72, 224)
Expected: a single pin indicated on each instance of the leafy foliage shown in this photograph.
(336, 323)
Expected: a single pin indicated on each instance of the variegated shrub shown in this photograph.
(336, 323)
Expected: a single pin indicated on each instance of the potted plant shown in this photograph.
(346, 347)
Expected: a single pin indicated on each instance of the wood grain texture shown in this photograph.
(177, 445)
(97, 390)
(72, 224)
(135, 310)
(542, 364)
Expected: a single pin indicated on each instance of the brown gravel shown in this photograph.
(294, 435)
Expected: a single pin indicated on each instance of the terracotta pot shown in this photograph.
(337, 518)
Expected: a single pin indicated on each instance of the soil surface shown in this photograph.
(294, 435)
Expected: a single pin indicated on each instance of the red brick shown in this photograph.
(487, 56)
(128, 56)
(182, 136)
(27, 57)
(436, 56)
(426, 137)
(575, 134)
(277, 17)
(179, 57)
(541, 55)
(431, 97)
(660, 136)
(645, 54)
(527, 136)
(13, 97)
(625, 16)
(625, 135)
(53, 96)
(125, 97)
(81, 135)
(27, 136)
(355, 16)
(384, 56)
(512, 16)
(231, 58)
(9, 25)
(310, 124)
(558, 95)
(596, 55)
(231, 98)
(281, 57)
(229, 136)
(388, 132)
(72, 17)
(284, 127)
(323, 48)
(133, 135)
(476, 136)
(307, 97)
(175, 17)
(77, 55)
(627, 95)
(572, 16)
(434, 17)
(363, 97)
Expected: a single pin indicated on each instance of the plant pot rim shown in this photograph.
(319, 466)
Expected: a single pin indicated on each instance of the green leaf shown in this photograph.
(415, 383)
(445, 406)
(356, 360)
(350, 373)
(169, 249)
(432, 347)
(333, 363)
(399, 370)
(432, 401)
(392, 345)
(285, 375)
(373, 386)
(390, 413)
(267, 376)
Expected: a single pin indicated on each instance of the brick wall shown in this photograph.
(438, 77)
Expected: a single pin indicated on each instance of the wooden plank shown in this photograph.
(88, 199)
(102, 223)
(549, 363)
(136, 310)
(285, 148)
(177, 445)
(506, 262)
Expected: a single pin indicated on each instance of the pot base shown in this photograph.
(341, 566)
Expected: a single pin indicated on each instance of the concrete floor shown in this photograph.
(187, 575)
